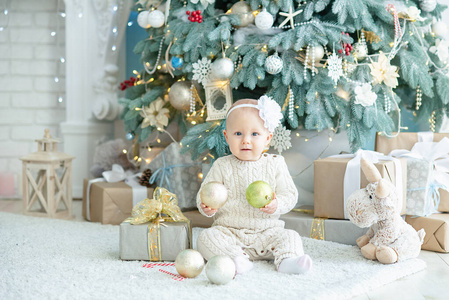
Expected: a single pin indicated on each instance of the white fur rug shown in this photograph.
(54, 259)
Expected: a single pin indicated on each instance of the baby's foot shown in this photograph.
(242, 264)
(296, 265)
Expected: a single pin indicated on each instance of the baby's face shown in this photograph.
(246, 136)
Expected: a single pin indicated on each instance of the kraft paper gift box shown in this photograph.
(329, 176)
(177, 173)
(437, 231)
(109, 203)
(143, 241)
(406, 141)
(339, 231)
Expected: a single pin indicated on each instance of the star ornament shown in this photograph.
(289, 17)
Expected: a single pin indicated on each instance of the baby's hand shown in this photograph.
(270, 207)
(207, 210)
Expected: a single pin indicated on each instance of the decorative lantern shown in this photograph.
(47, 181)
(218, 99)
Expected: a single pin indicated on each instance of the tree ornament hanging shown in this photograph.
(364, 95)
(244, 13)
(142, 19)
(360, 48)
(281, 139)
(201, 70)
(335, 68)
(195, 16)
(428, 5)
(204, 3)
(316, 54)
(222, 68)
(130, 136)
(156, 18)
(179, 95)
(347, 47)
(274, 64)
(291, 102)
(440, 29)
(264, 20)
(177, 62)
(418, 98)
(289, 17)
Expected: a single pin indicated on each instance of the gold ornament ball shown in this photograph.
(214, 194)
(360, 51)
(259, 193)
(244, 12)
(189, 263)
(220, 269)
(318, 53)
(179, 95)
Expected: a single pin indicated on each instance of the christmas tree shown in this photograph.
(340, 65)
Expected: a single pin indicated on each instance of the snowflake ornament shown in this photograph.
(201, 70)
(281, 139)
(204, 3)
(335, 69)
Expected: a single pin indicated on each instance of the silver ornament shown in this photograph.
(264, 20)
(156, 18)
(440, 29)
(214, 194)
(220, 269)
(360, 51)
(274, 64)
(244, 12)
(142, 19)
(222, 68)
(189, 263)
(428, 5)
(179, 95)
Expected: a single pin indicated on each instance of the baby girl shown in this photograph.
(241, 231)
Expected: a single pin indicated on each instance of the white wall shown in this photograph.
(29, 62)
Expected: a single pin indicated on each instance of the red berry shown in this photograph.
(198, 11)
(194, 13)
(190, 19)
(201, 17)
(200, 21)
(340, 51)
(188, 12)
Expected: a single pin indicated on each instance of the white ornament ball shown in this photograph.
(156, 18)
(142, 19)
(428, 5)
(440, 29)
(244, 13)
(189, 263)
(220, 269)
(179, 95)
(360, 51)
(318, 53)
(222, 68)
(214, 194)
(274, 64)
(264, 20)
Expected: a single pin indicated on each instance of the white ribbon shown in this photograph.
(425, 136)
(351, 181)
(118, 174)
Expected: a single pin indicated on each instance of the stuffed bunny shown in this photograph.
(390, 238)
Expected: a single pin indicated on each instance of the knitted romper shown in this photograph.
(240, 229)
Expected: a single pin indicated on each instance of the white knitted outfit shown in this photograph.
(240, 229)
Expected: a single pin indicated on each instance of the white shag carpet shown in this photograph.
(56, 259)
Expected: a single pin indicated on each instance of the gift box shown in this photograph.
(177, 173)
(339, 231)
(329, 174)
(420, 183)
(154, 242)
(437, 231)
(109, 203)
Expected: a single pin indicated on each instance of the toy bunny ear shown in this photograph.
(370, 171)
(382, 189)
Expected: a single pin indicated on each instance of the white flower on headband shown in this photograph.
(269, 112)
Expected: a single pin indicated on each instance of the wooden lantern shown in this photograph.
(47, 181)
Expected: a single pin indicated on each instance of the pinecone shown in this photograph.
(145, 178)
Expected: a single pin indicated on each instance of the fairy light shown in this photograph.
(158, 140)
(125, 151)
(201, 175)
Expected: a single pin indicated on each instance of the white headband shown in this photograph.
(269, 112)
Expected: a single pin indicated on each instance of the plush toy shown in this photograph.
(390, 238)
(109, 153)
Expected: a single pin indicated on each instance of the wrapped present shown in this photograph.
(406, 141)
(337, 177)
(109, 199)
(437, 231)
(146, 235)
(177, 173)
(339, 231)
(427, 167)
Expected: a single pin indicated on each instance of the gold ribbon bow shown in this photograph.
(163, 202)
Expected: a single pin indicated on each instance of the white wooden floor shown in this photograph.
(432, 283)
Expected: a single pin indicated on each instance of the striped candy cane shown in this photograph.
(152, 265)
(397, 27)
(173, 276)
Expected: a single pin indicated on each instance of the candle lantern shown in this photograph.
(47, 181)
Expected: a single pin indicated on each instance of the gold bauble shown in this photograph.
(189, 263)
(220, 269)
(244, 12)
(214, 194)
(179, 95)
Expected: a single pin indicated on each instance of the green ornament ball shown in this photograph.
(259, 193)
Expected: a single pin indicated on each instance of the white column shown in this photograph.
(94, 31)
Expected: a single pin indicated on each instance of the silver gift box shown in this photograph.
(419, 176)
(134, 244)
